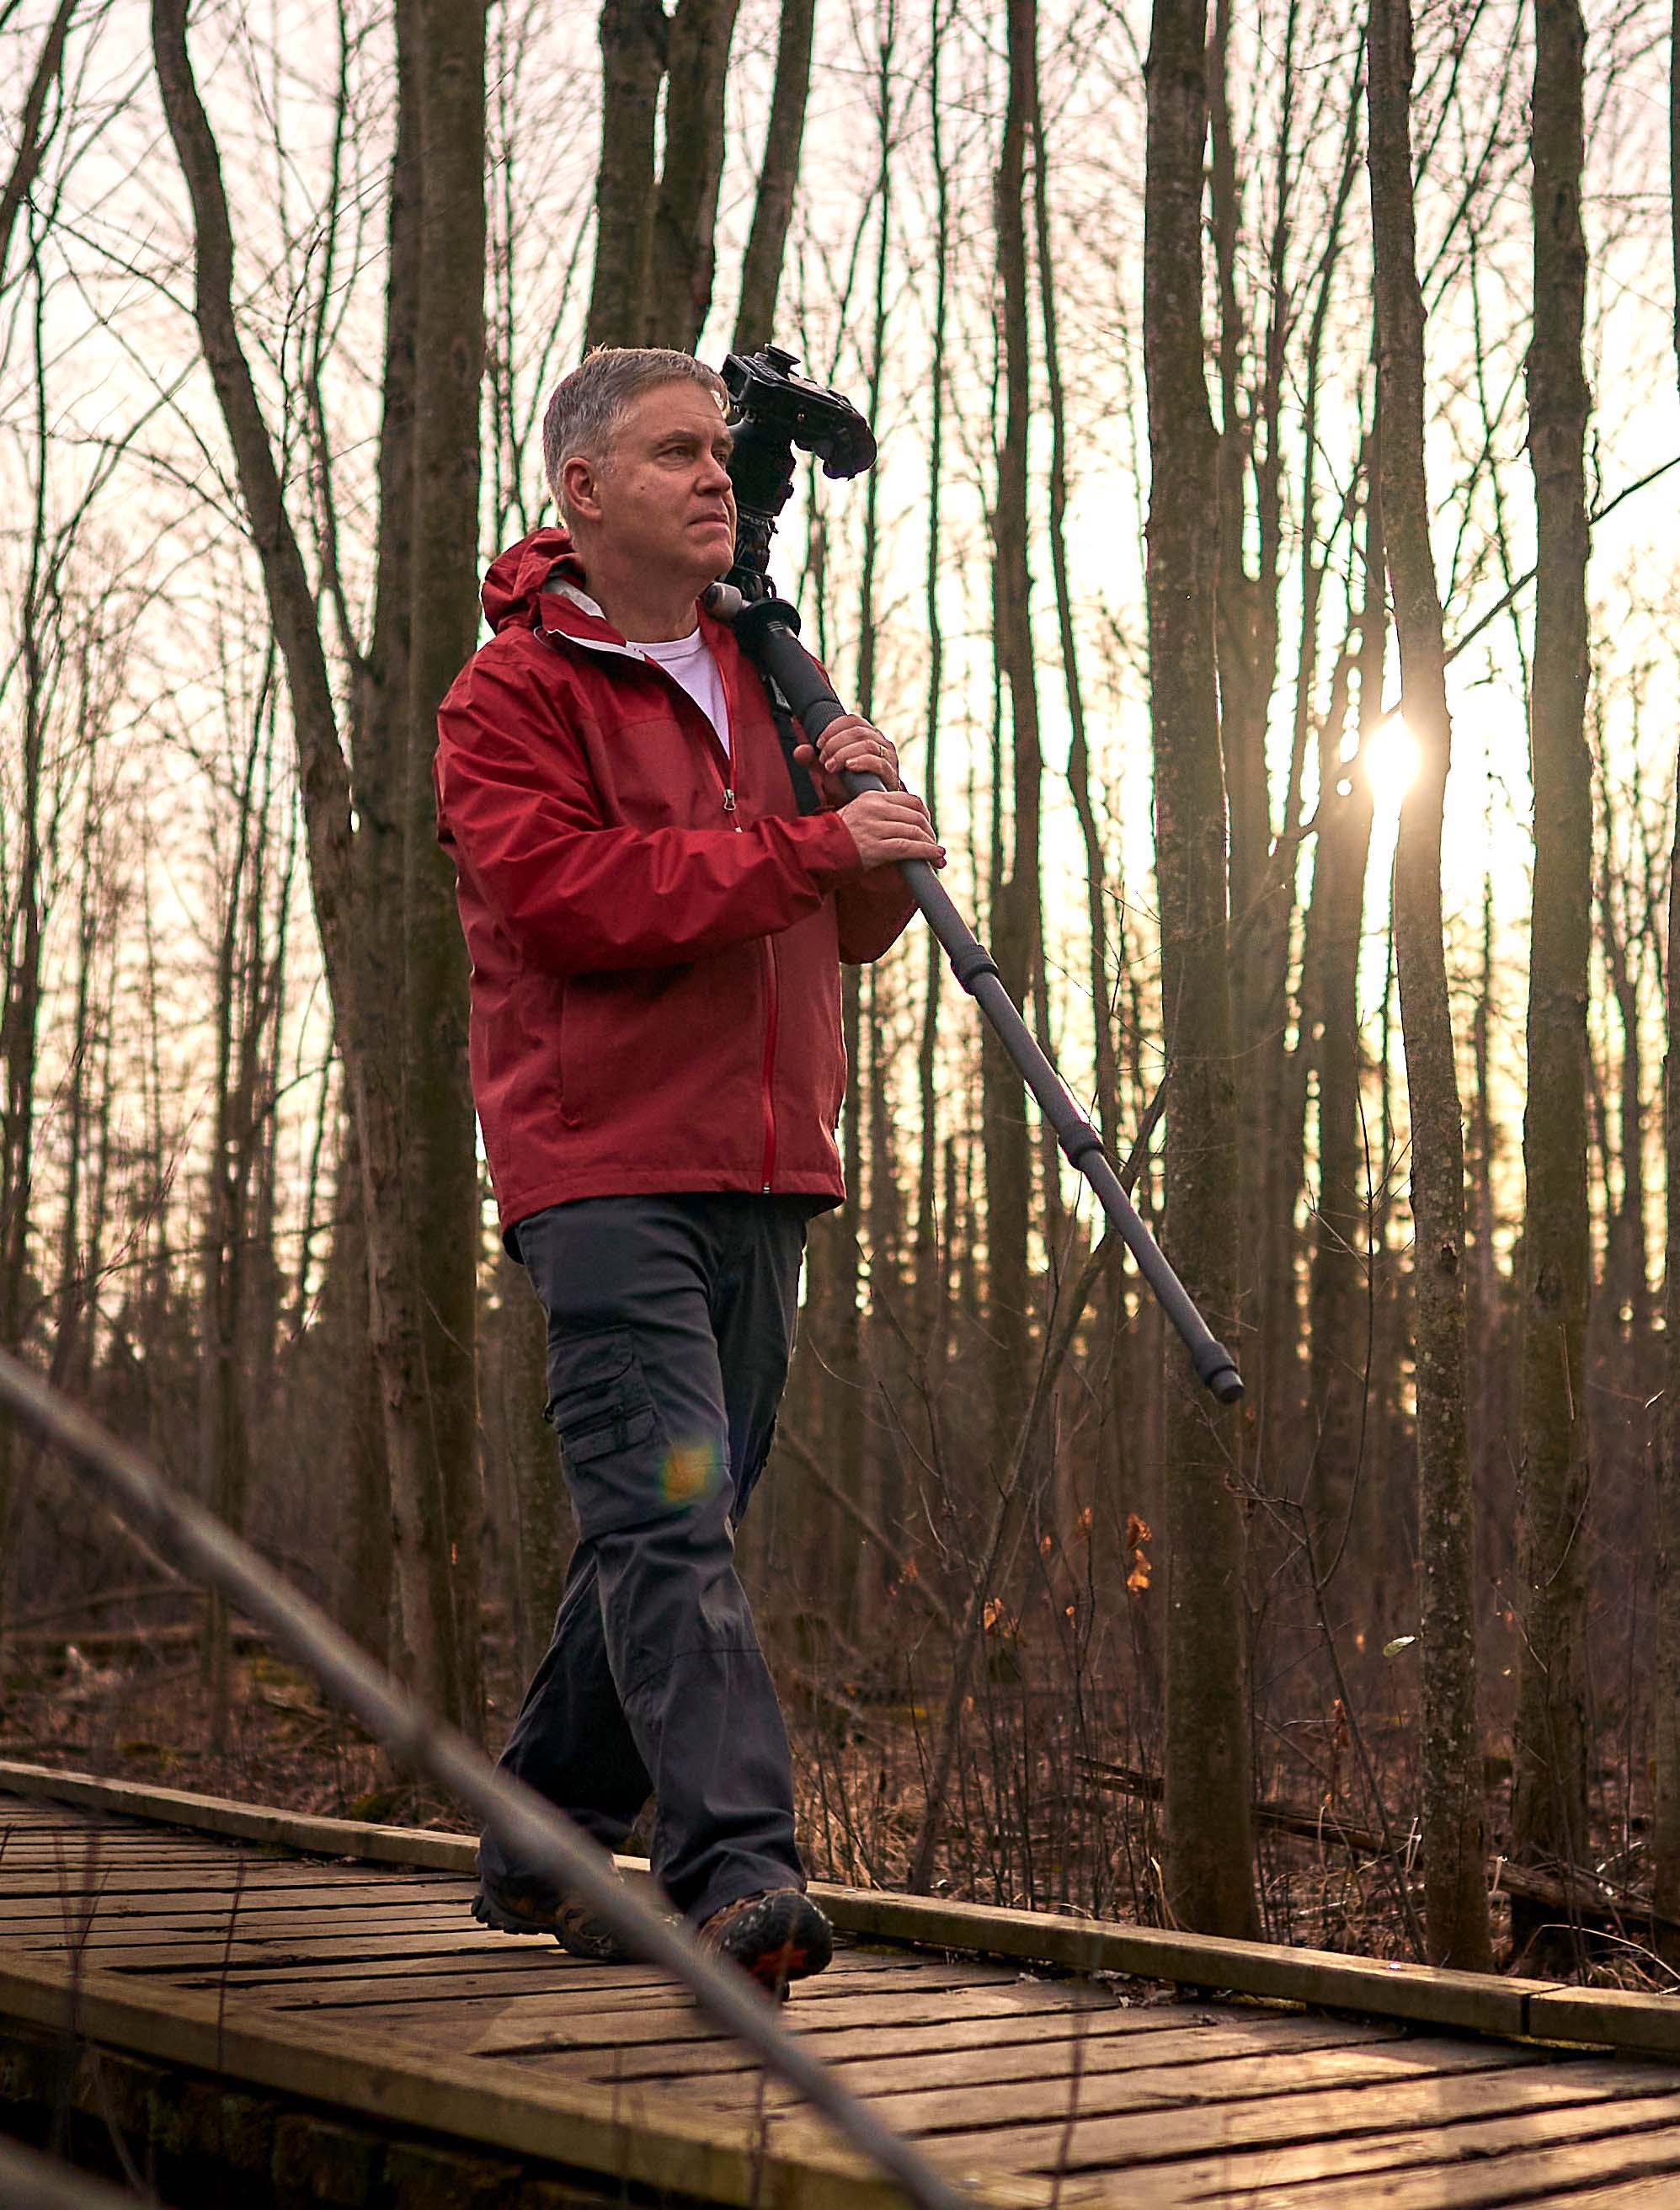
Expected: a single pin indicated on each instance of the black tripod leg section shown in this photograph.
(768, 635)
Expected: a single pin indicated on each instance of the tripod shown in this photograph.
(775, 409)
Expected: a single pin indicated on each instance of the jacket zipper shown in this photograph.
(769, 1064)
(766, 1072)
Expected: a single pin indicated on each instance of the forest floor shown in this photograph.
(138, 1710)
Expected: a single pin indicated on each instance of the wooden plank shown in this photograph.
(1608, 2016)
(469, 1978)
(1384, 1988)
(321, 1892)
(132, 1848)
(1241, 2174)
(214, 1814)
(899, 2082)
(976, 2040)
(125, 1950)
(268, 1917)
(1548, 2175)
(269, 1961)
(495, 2022)
(147, 1943)
(1162, 2134)
(1100, 2093)
(629, 2135)
(1631, 2195)
(963, 2045)
(916, 1995)
(142, 1845)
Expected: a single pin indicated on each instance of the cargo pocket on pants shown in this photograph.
(602, 1411)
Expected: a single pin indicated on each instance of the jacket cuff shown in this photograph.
(833, 855)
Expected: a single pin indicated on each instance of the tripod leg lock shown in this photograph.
(972, 962)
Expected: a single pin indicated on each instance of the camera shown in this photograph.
(771, 410)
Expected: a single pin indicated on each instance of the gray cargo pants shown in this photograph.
(669, 1323)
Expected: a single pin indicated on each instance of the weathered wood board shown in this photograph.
(368, 1984)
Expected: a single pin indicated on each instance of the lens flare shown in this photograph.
(691, 1471)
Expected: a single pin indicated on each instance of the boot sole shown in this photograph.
(595, 1950)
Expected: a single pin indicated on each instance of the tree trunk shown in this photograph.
(876, 1474)
(224, 1435)
(1665, 1683)
(440, 1150)
(1455, 1871)
(1550, 1741)
(683, 256)
(349, 885)
(1246, 643)
(654, 254)
(778, 176)
(362, 1594)
(36, 124)
(933, 1248)
(1016, 917)
(1208, 1785)
(24, 931)
(634, 35)
(1341, 1288)
(1665, 1687)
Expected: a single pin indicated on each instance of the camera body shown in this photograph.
(771, 410)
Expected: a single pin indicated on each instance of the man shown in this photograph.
(656, 934)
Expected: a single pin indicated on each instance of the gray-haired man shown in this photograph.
(656, 935)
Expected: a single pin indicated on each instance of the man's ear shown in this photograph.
(578, 478)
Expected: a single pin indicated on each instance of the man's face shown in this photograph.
(663, 497)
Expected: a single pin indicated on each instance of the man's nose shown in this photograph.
(714, 475)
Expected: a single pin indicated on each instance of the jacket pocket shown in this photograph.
(580, 1042)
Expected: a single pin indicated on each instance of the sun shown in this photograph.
(1390, 758)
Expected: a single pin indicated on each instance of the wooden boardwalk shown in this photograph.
(355, 1982)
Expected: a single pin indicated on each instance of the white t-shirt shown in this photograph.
(691, 661)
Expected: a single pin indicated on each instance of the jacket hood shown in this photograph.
(539, 583)
(516, 579)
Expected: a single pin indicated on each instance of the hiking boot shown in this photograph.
(580, 1930)
(776, 1935)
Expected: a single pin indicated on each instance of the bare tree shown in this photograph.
(1455, 1873)
(777, 175)
(1666, 1686)
(655, 254)
(1340, 1291)
(359, 817)
(1017, 909)
(38, 123)
(1549, 1808)
(1209, 1862)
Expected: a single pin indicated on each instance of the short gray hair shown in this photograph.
(588, 406)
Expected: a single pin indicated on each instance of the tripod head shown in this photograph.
(771, 410)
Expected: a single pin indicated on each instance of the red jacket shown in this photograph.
(655, 933)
